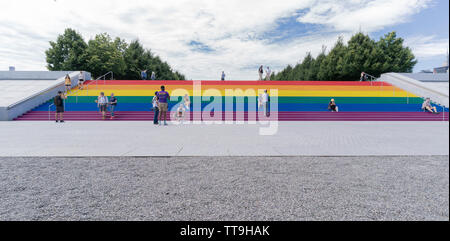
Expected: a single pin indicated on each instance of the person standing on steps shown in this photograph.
(163, 98)
(363, 77)
(81, 80)
(223, 76)
(153, 77)
(102, 103)
(68, 83)
(268, 73)
(112, 105)
(58, 101)
(144, 74)
(155, 108)
(261, 72)
(187, 102)
(265, 99)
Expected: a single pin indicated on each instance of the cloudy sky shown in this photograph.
(201, 38)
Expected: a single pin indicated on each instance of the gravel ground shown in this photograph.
(225, 188)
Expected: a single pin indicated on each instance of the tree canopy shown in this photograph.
(103, 54)
(347, 61)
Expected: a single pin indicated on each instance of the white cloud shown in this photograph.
(168, 26)
(369, 15)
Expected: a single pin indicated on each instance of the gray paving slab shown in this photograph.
(74, 139)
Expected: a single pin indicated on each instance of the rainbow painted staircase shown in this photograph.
(297, 101)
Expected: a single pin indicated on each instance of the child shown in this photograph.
(180, 113)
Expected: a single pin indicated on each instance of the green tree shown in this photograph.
(104, 55)
(136, 60)
(333, 64)
(67, 53)
(346, 62)
(396, 57)
(359, 56)
(307, 68)
(315, 68)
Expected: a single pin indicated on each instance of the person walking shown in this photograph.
(102, 103)
(153, 77)
(112, 105)
(261, 72)
(67, 83)
(58, 101)
(268, 73)
(223, 76)
(81, 80)
(163, 98)
(155, 108)
(144, 74)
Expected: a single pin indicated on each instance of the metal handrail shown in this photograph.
(372, 78)
(49, 107)
(104, 76)
(87, 86)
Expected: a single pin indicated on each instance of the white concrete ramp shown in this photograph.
(434, 86)
(22, 91)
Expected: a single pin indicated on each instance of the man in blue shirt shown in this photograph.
(144, 74)
(223, 76)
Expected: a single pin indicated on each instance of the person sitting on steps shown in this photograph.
(332, 106)
(426, 106)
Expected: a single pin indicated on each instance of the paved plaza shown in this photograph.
(80, 139)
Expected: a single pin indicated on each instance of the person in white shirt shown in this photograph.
(268, 73)
(265, 102)
(187, 102)
(102, 104)
(80, 80)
